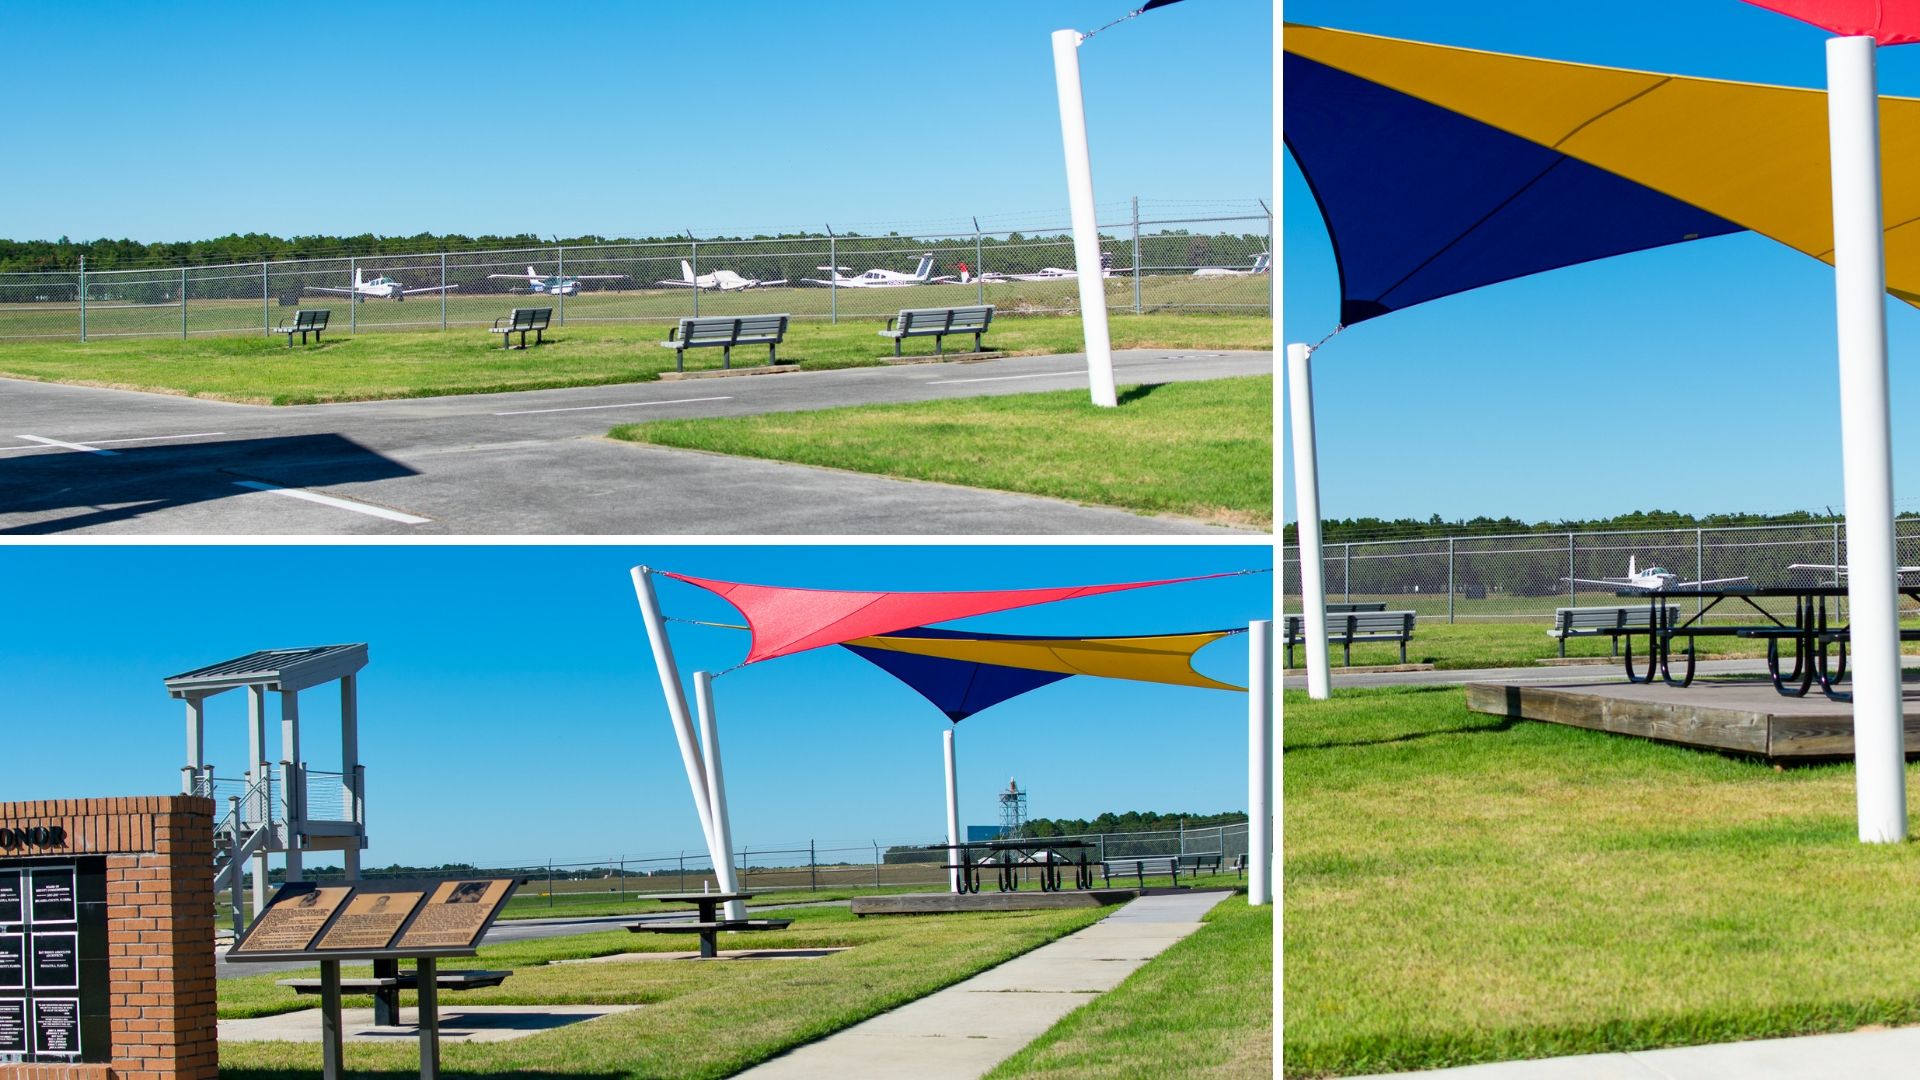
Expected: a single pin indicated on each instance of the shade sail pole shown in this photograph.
(721, 846)
(1859, 274)
(953, 814)
(1086, 226)
(676, 697)
(1306, 506)
(1259, 761)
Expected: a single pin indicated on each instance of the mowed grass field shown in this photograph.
(475, 305)
(1461, 888)
(468, 360)
(1199, 449)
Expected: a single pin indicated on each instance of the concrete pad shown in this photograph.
(725, 954)
(1057, 973)
(1868, 1053)
(467, 1023)
(969, 1014)
(1185, 907)
(922, 1057)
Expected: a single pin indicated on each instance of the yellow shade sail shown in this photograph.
(1166, 658)
(1748, 152)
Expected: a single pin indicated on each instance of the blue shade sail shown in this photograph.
(958, 688)
(1421, 202)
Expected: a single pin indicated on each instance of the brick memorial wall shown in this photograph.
(106, 939)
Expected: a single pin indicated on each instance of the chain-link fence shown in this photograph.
(1527, 576)
(810, 866)
(1216, 262)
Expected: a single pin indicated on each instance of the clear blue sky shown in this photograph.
(1695, 356)
(510, 711)
(170, 122)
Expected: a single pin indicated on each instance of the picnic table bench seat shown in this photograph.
(1139, 868)
(523, 321)
(303, 323)
(1605, 621)
(937, 323)
(724, 332)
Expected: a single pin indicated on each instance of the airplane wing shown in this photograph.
(325, 289)
(949, 277)
(515, 277)
(677, 282)
(1601, 581)
(592, 277)
(814, 281)
(764, 284)
(437, 288)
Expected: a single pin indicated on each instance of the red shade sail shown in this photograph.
(1890, 22)
(787, 621)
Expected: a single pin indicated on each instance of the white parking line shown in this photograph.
(629, 405)
(328, 500)
(70, 445)
(94, 446)
(1004, 378)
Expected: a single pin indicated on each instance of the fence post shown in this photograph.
(1136, 254)
(549, 882)
(833, 276)
(1699, 567)
(696, 274)
(1346, 570)
(266, 300)
(813, 869)
(623, 880)
(977, 257)
(876, 864)
(353, 297)
(1270, 311)
(83, 298)
(1449, 579)
(183, 303)
(443, 291)
(683, 872)
(560, 280)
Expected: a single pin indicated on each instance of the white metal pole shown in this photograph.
(953, 814)
(1859, 275)
(1259, 761)
(1306, 505)
(676, 697)
(722, 853)
(1086, 227)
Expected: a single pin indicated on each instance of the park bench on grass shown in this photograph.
(388, 980)
(303, 323)
(1194, 863)
(1345, 628)
(1357, 605)
(937, 323)
(1140, 868)
(724, 332)
(523, 321)
(1610, 622)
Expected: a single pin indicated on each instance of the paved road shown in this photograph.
(81, 459)
(519, 930)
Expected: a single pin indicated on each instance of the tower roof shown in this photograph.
(274, 669)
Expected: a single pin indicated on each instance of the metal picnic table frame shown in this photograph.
(1018, 855)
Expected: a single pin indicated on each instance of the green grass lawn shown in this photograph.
(1462, 888)
(701, 1019)
(1205, 1004)
(466, 360)
(1202, 449)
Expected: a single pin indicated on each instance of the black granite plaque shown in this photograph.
(13, 1027)
(12, 908)
(56, 1027)
(53, 898)
(13, 962)
(56, 961)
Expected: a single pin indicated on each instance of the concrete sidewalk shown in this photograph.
(1871, 1053)
(965, 1030)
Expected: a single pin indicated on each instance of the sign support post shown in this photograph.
(428, 991)
(330, 1035)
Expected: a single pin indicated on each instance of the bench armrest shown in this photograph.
(501, 319)
(673, 333)
(891, 319)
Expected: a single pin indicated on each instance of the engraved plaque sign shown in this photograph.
(456, 914)
(13, 961)
(13, 1027)
(53, 899)
(370, 921)
(56, 961)
(13, 908)
(293, 919)
(56, 1026)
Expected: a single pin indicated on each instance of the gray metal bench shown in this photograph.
(1346, 628)
(1357, 605)
(386, 988)
(724, 333)
(937, 323)
(1140, 868)
(1608, 622)
(303, 323)
(1194, 863)
(523, 321)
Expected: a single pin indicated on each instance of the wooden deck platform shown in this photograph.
(1738, 717)
(1023, 900)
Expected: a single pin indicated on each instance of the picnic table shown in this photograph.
(708, 924)
(1813, 631)
(1008, 858)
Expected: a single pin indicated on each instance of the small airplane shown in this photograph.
(380, 288)
(1052, 273)
(723, 280)
(555, 284)
(1262, 263)
(1652, 579)
(880, 279)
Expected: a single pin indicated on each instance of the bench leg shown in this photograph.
(896, 346)
(679, 359)
(386, 1003)
(1348, 647)
(976, 342)
(709, 944)
(771, 359)
(1403, 650)
(726, 357)
(1563, 646)
(539, 337)
(940, 344)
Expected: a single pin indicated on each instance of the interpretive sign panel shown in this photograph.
(375, 919)
(54, 999)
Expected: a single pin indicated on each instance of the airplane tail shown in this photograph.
(925, 270)
(686, 270)
(1630, 570)
(532, 274)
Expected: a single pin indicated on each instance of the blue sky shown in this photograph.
(510, 711)
(167, 122)
(1712, 363)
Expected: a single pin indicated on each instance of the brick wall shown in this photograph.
(159, 930)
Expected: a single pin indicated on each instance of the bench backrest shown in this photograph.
(1370, 622)
(1604, 618)
(311, 320)
(734, 330)
(958, 320)
(1358, 605)
(1143, 862)
(536, 318)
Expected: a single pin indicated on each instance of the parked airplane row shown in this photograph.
(383, 287)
